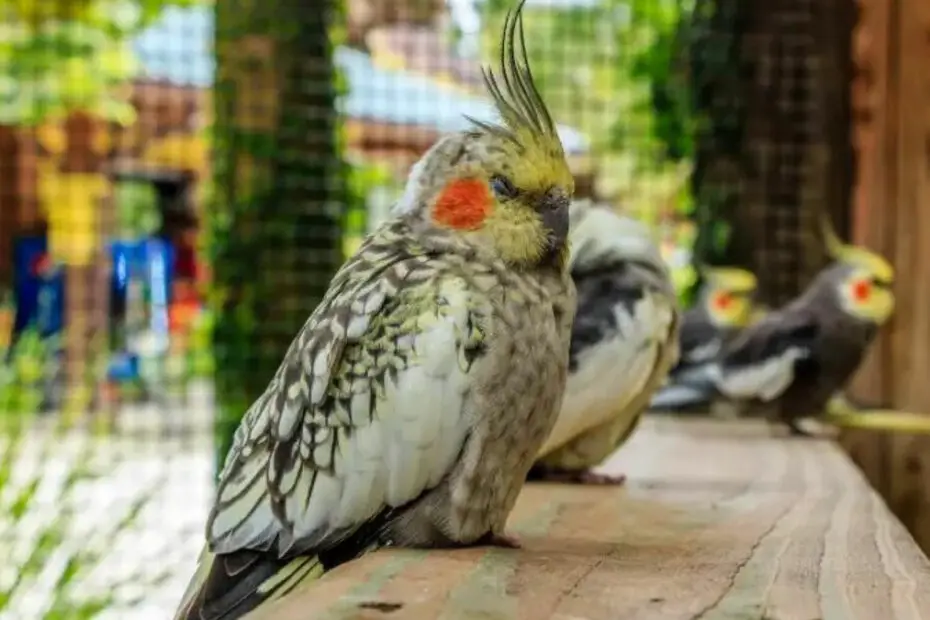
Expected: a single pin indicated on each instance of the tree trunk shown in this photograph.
(275, 227)
(774, 150)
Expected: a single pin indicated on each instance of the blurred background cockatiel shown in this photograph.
(624, 340)
(725, 305)
(793, 361)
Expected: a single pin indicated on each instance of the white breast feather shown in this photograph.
(764, 381)
(613, 372)
(409, 446)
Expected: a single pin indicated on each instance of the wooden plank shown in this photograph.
(874, 101)
(719, 520)
(873, 128)
(908, 491)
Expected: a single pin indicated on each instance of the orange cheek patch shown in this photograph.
(723, 301)
(463, 204)
(862, 290)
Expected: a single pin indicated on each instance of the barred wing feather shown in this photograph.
(366, 413)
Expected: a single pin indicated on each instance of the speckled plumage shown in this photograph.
(491, 345)
(410, 406)
(623, 341)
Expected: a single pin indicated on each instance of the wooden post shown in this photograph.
(74, 191)
(279, 178)
(891, 95)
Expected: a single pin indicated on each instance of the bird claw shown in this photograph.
(589, 477)
(817, 431)
(500, 540)
(582, 477)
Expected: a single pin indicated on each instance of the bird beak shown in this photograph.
(554, 210)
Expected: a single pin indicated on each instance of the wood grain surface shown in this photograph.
(719, 520)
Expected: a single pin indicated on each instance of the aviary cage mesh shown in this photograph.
(179, 180)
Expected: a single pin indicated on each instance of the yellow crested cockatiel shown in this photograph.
(796, 358)
(410, 407)
(624, 340)
(725, 305)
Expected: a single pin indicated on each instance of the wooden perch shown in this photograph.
(719, 520)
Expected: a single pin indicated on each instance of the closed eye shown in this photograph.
(503, 187)
(879, 283)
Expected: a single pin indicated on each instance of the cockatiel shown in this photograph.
(725, 305)
(410, 406)
(795, 359)
(624, 340)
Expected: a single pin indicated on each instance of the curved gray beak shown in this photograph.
(554, 210)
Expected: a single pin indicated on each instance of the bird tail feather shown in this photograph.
(230, 586)
(695, 387)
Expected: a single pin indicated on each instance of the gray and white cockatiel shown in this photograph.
(410, 407)
(624, 340)
(796, 358)
(725, 305)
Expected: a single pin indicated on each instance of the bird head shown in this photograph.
(505, 186)
(863, 280)
(728, 295)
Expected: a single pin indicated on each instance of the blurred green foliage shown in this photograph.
(137, 209)
(61, 55)
(363, 178)
(276, 235)
(712, 48)
(46, 561)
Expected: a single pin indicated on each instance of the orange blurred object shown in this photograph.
(181, 314)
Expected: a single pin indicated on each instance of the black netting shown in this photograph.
(179, 180)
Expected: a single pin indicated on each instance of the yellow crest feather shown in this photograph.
(731, 278)
(527, 121)
(854, 255)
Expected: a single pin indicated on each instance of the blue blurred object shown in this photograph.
(123, 366)
(38, 286)
(151, 262)
(38, 289)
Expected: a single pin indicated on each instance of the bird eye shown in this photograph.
(503, 187)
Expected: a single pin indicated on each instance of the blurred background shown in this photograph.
(179, 179)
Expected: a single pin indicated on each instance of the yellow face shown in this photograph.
(531, 196)
(518, 205)
(516, 187)
(729, 308)
(730, 296)
(867, 295)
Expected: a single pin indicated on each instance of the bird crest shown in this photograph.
(855, 255)
(730, 278)
(527, 123)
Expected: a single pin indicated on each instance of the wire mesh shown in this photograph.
(179, 180)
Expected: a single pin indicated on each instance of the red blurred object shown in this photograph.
(185, 262)
(41, 265)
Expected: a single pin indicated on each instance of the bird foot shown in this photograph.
(814, 430)
(581, 477)
(500, 540)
